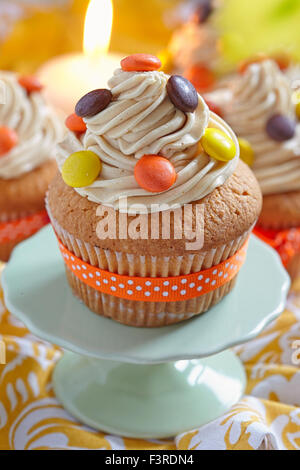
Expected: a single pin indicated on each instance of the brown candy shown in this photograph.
(182, 93)
(281, 128)
(203, 11)
(93, 102)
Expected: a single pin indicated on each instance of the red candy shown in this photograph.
(140, 63)
(8, 140)
(30, 83)
(154, 173)
(75, 123)
(201, 77)
(214, 108)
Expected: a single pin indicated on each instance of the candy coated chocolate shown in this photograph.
(154, 173)
(8, 139)
(182, 93)
(30, 83)
(201, 77)
(140, 63)
(93, 103)
(81, 169)
(246, 151)
(203, 11)
(218, 145)
(280, 127)
(75, 123)
(298, 110)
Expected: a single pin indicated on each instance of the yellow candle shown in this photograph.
(67, 78)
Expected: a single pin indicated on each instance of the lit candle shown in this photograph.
(67, 78)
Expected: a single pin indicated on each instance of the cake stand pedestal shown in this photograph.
(143, 382)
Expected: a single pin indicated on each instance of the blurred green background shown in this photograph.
(248, 27)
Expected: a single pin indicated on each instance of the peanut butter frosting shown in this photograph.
(141, 120)
(262, 92)
(36, 124)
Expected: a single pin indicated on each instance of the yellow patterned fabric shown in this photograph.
(268, 417)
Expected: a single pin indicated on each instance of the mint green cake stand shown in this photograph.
(144, 383)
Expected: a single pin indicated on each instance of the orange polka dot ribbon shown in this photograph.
(285, 242)
(154, 289)
(22, 228)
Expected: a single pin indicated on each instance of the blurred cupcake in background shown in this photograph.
(260, 106)
(195, 47)
(29, 131)
(284, 60)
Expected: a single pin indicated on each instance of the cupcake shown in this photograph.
(194, 48)
(259, 106)
(29, 131)
(152, 207)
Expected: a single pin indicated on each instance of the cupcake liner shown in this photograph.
(12, 216)
(139, 313)
(7, 247)
(12, 234)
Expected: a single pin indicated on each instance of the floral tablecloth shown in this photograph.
(268, 417)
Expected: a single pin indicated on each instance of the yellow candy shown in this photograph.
(246, 152)
(81, 169)
(218, 145)
(298, 110)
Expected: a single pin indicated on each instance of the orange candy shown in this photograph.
(8, 140)
(201, 77)
(154, 173)
(30, 83)
(214, 107)
(75, 123)
(283, 61)
(140, 63)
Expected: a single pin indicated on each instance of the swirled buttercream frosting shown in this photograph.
(37, 127)
(262, 92)
(141, 120)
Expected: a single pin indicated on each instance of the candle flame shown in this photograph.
(98, 27)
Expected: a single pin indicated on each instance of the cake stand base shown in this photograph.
(148, 401)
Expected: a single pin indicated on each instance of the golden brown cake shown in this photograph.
(24, 197)
(281, 211)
